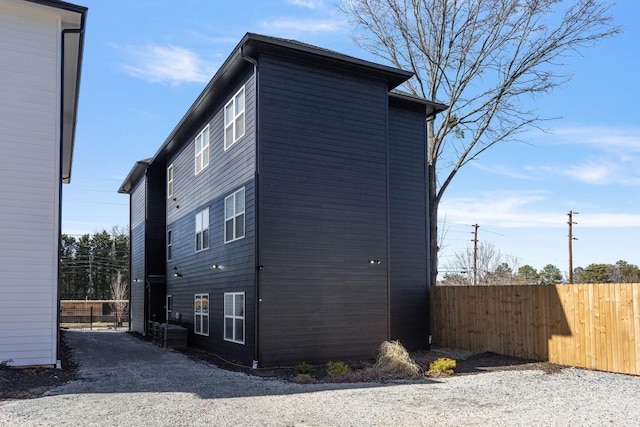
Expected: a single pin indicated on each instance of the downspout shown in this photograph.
(256, 177)
(388, 213)
(63, 33)
(427, 224)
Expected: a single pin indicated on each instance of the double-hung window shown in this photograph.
(234, 216)
(202, 150)
(234, 119)
(169, 244)
(202, 230)
(201, 319)
(234, 317)
(170, 181)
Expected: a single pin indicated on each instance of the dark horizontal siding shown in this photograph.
(156, 220)
(407, 191)
(227, 172)
(322, 214)
(137, 275)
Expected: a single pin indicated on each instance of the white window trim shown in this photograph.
(202, 314)
(169, 244)
(233, 317)
(236, 115)
(205, 227)
(170, 181)
(169, 307)
(205, 147)
(235, 215)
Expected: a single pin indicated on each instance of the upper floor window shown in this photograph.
(234, 317)
(202, 230)
(234, 119)
(234, 216)
(169, 244)
(201, 315)
(202, 150)
(170, 181)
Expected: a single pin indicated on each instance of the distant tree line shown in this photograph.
(94, 266)
(489, 267)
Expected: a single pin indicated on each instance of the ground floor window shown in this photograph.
(201, 319)
(234, 317)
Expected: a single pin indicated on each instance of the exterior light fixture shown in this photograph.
(374, 261)
(215, 266)
(176, 273)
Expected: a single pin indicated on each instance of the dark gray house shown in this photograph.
(284, 218)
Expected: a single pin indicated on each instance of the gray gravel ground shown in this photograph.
(127, 382)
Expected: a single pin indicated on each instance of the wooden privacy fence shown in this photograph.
(594, 326)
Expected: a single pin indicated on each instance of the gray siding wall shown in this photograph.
(227, 172)
(156, 220)
(137, 306)
(323, 214)
(408, 263)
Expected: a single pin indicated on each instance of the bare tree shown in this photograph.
(119, 288)
(482, 58)
(493, 267)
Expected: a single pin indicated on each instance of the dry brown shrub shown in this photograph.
(393, 359)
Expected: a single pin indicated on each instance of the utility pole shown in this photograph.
(571, 239)
(475, 253)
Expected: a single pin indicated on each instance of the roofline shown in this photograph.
(72, 50)
(136, 172)
(62, 5)
(432, 107)
(394, 76)
(236, 55)
(303, 47)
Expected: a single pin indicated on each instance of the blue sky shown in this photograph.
(146, 61)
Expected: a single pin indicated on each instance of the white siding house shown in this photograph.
(40, 55)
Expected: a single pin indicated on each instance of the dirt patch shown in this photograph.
(27, 383)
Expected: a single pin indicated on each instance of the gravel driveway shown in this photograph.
(127, 382)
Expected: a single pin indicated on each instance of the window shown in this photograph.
(202, 150)
(202, 230)
(169, 307)
(234, 317)
(169, 244)
(234, 119)
(170, 181)
(201, 319)
(234, 216)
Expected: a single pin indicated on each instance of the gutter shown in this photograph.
(61, 178)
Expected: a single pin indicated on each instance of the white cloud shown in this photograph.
(592, 172)
(606, 138)
(525, 209)
(609, 220)
(503, 171)
(501, 209)
(166, 64)
(309, 4)
(613, 153)
(303, 26)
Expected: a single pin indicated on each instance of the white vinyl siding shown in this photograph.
(29, 173)
(202, 150)
(234, 317)
(202, 230)
(201, 314)
(234, 123)
(234, 218)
